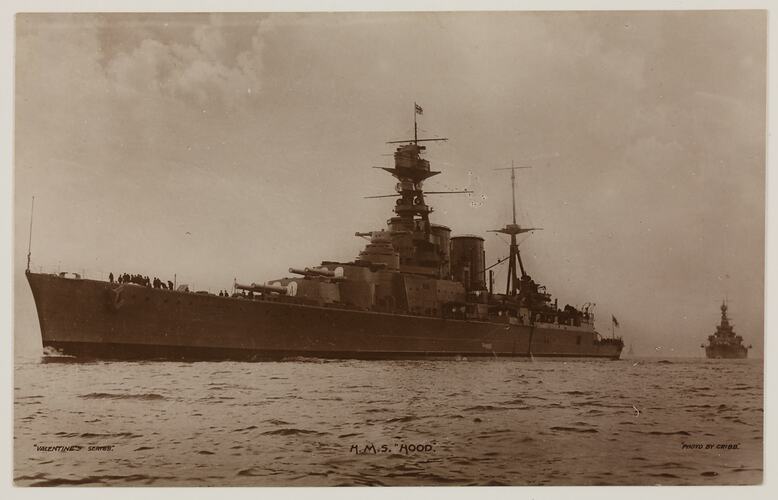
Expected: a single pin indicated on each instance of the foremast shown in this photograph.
(421, 245)
(724, 327)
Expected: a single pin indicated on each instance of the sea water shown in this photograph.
(309, 422)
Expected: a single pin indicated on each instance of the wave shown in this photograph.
(406, 418)
(362, 481)
(275, 421)
(661, 433)
(574, 429)
(669, 465)
(249, 428)
(291, 432)
(109, 435)
(438, 479)
(251, 472)
(485, 408)
(105, 395)
(67, 360)
(96, 480)
(305, 359)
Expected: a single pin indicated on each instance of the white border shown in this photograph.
(7, 11)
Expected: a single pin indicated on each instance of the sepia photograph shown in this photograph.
(445, 248)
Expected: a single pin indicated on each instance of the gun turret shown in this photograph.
(263, 288)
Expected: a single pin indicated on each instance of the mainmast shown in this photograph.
(513, 189)
(513, 286)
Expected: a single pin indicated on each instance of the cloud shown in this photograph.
(198, 72)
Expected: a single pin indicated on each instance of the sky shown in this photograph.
(227, 146)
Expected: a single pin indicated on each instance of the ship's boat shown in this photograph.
(414, 291)
(725, 344)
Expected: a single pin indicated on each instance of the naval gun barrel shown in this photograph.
(320, 271)
(262, 288)
(312, 271)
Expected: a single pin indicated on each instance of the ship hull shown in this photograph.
(726, 352)
(96, 319)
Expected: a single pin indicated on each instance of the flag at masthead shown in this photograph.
(417, 111)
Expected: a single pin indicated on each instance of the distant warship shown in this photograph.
(724, 344)
(412, 292)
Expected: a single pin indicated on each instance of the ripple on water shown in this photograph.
(105, 395)
(574, 429)
(663, 433)
(287, 418)
(406, 418)
(292, 432)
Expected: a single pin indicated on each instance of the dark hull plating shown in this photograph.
(88, 318)
(726, 352)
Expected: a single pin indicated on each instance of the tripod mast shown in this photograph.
(513, 286)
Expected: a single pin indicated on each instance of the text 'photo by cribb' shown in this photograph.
(445, 248)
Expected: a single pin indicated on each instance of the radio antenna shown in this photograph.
(29, 241)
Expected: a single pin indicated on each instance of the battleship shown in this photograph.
(724, 344)
(413, 291)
